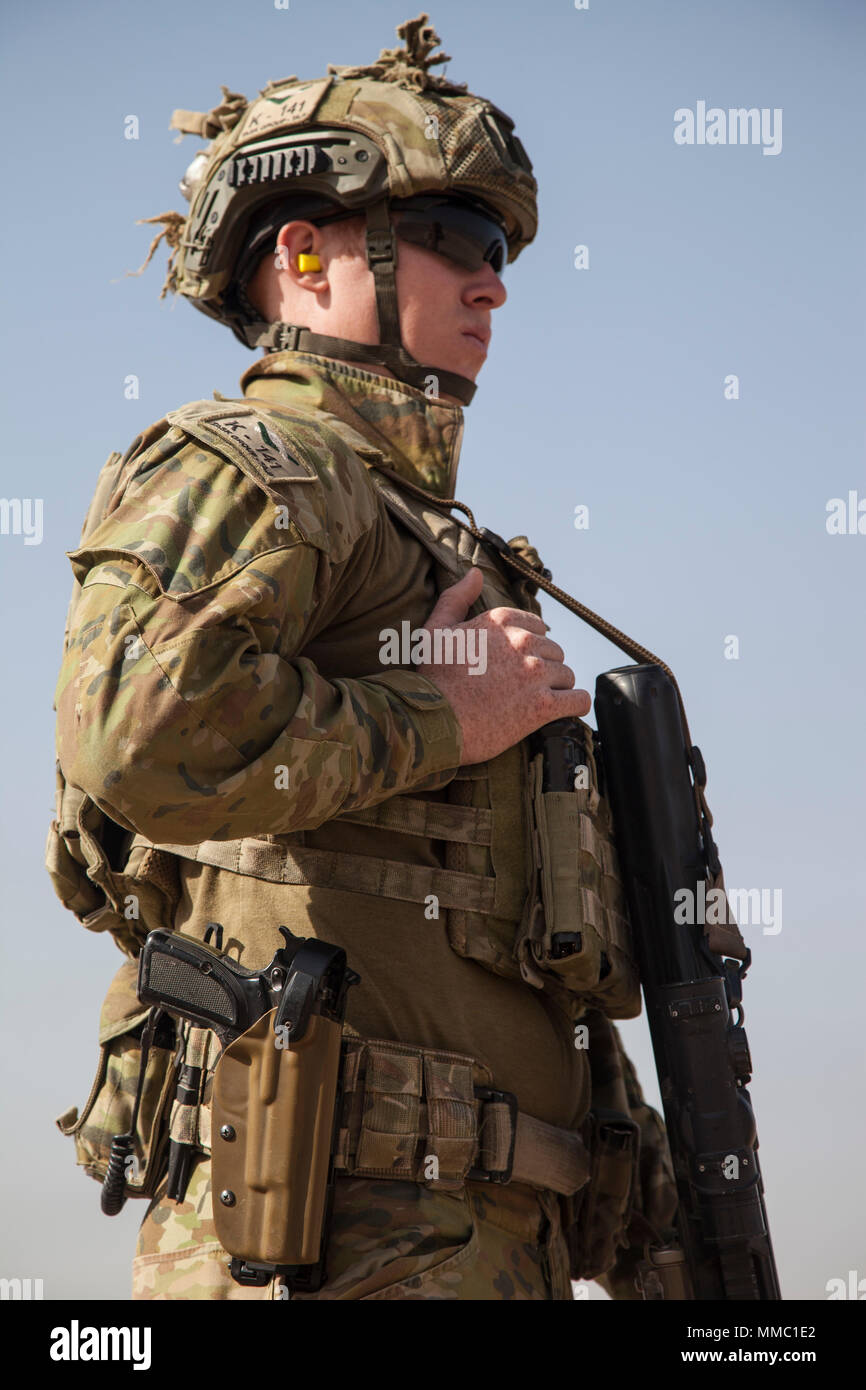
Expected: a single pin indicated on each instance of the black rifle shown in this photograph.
(654, 782)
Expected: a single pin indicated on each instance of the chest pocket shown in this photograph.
(496, 789)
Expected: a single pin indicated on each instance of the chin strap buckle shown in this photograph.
(284, 337)
(381, 246)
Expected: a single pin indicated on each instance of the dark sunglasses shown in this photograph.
(466, 234)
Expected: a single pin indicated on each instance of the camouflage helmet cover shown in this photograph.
(390, 130)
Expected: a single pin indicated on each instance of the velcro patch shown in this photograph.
(274, 112)
(264, 448)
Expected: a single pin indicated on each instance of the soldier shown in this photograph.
(259, 724)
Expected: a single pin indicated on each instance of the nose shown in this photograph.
(485, 289)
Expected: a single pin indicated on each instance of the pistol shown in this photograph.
(210, 990)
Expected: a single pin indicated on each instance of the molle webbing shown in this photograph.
(405, 1105)
(411, 816)
(362, 873)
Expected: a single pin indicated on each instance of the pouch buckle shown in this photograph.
(499, 1175)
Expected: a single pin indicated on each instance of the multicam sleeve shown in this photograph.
(197, 719)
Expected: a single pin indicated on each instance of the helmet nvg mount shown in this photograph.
(362, 141)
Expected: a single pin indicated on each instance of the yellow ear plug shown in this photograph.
(309, 263)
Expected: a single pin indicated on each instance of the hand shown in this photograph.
(525, 683)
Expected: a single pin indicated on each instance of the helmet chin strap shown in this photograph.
(389, 351)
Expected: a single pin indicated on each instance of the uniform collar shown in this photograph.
(420, 437)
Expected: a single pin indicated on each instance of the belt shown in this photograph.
(424, 1115)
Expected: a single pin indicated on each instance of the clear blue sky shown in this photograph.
(604, 387)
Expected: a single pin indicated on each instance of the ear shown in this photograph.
(299, 254)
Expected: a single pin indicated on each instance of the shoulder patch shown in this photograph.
(262, 453)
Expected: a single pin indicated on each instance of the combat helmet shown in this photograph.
(363, 140)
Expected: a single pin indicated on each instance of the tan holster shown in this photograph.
(272, 1137)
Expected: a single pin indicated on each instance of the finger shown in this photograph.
(516, 617)
(454, 602)
(545, 648)
(559, 676)
(576, 703)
